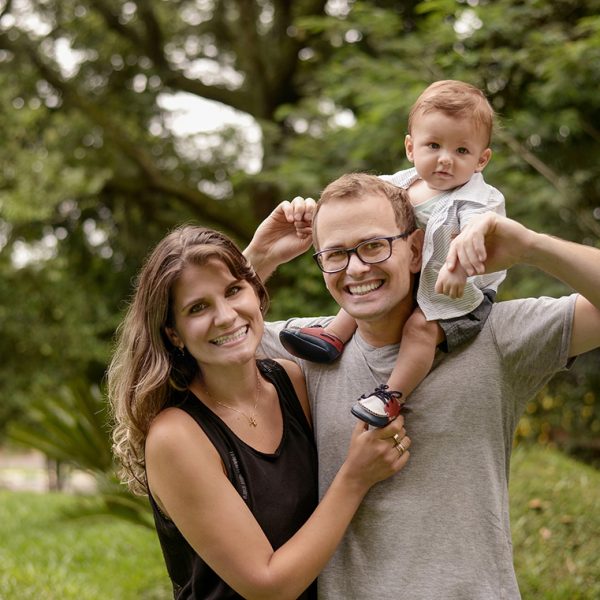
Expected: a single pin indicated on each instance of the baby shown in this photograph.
(449, 133)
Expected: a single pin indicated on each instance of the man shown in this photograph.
(440, 529)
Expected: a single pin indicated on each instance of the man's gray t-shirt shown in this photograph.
(440, 528)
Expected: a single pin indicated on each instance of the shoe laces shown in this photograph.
(385, 396)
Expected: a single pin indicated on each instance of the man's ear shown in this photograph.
(173, 337)
(484, 159)
(408, 146)
(416, 249)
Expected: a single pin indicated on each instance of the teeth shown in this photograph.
(224, 339)
(365, 288)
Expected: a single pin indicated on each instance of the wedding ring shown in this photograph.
(396, 439)
(400, 448)
(401, 445)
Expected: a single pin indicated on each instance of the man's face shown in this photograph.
(368, 292)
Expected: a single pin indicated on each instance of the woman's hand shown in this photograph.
(375, 454)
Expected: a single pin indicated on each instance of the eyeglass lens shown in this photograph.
(370, 251)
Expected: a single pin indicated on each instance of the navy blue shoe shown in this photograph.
(312, 343)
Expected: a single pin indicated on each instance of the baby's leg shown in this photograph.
(320, 344)
(420, 339)
(415, 358)
(342, 326)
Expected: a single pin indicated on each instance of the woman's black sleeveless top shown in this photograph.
(280, 488)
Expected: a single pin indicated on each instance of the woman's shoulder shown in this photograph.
(296, 377)
(292, 370)
(172, 432)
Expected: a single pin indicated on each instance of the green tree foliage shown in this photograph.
(93, 174)
(538, 64)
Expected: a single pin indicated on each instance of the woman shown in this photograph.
(222, 442)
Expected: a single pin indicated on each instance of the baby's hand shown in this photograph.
(300, 212)
(451, 283)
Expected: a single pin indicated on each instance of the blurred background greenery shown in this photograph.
(124, 118)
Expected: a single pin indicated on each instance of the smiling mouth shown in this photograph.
(233, 337)
(363, 288)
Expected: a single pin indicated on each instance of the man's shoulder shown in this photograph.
(520, 304)
(524, 317)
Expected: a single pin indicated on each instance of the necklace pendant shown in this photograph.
(252, 421)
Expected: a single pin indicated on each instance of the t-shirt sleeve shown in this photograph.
(533, 338)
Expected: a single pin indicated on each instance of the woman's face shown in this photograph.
(217, 317)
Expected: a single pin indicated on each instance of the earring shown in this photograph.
(180, 351)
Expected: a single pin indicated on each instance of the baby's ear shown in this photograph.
(484, 159)
(409, 147)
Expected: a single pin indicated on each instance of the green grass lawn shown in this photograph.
(46, 555)
(555, 516)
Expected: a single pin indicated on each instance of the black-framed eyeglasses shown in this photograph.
(369, 252)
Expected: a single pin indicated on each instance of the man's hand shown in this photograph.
(283, 235)
(493, 243)
(490, 243)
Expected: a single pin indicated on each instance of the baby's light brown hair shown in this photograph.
(455, 99)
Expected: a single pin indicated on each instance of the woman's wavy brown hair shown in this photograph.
(147, 372)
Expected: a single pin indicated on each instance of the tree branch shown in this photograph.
(113, 23)
(157, 179)
(532, 160)
(6, 9)
(154, 36)
(590, 130)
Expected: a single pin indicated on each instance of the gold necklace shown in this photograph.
(251, 419)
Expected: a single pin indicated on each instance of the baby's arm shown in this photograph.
(453, 275)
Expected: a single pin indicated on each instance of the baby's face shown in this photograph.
(446, 150)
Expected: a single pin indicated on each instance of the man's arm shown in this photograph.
(283, 235)
(492, 243)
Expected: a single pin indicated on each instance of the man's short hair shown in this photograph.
(455, 99)
(354, 187)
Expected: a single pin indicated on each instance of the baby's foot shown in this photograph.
(378, 408)
(312, 343)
